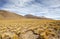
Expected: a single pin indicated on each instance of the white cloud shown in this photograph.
(51, 3)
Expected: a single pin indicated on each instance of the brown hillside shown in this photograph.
(9, 15)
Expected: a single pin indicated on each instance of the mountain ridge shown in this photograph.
(11, 15)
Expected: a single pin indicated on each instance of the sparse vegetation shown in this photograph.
(29, 29)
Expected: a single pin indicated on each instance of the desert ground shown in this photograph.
(29, 29)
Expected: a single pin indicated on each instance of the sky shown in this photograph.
(47, 8)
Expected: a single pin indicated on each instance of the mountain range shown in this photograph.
(11, 15)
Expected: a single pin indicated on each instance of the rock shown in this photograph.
(29, 35)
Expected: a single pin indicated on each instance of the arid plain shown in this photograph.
(14, 26)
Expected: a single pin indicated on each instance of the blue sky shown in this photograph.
(47, 8)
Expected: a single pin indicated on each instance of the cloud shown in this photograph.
(50, 3)
(48, 8)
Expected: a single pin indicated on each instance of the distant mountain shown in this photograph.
(10, 15)
(35, 17)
